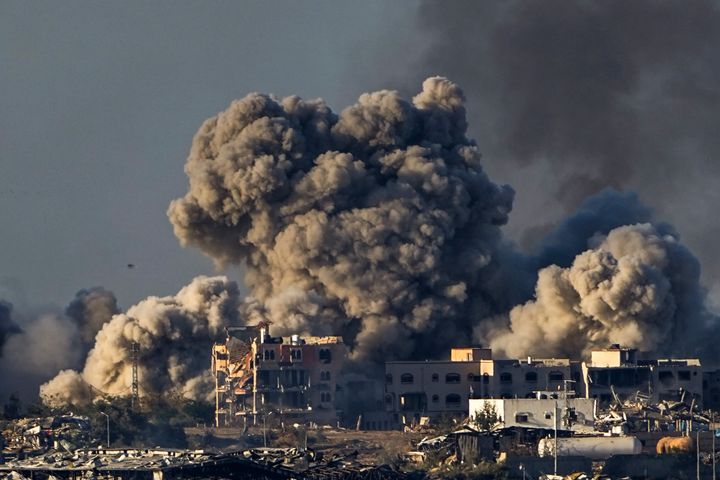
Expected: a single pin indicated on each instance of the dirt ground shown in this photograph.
(373, 447)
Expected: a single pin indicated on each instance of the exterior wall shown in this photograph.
(416, 389)
(655, 380)
(471, 354)
(538, 413)
(670, 377)
(256, 373)
(521, 378)
(294, 377)
(613, 357)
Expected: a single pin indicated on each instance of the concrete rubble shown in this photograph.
(28, 436)
(268, 463)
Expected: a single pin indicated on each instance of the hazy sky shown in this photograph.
(98, 105)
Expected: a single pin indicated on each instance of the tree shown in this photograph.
(486, 418)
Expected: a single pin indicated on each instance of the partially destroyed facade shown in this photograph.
(615, 374)
(257, 375)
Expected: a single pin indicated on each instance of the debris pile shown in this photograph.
(269, 463)
(638, 414)
(28, 436)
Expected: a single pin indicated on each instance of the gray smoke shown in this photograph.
(38, 344)
(637, 286)
(46, 343)
(378, 223)
(174, 335)
(610, 93)
(596, 216)
(7, 326)
(91, 309)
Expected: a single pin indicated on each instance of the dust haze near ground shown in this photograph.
(174, 335)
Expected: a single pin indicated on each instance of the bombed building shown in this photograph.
(257, 374)
(612, 376)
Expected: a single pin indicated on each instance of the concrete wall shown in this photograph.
(539, 412)
(436, 382)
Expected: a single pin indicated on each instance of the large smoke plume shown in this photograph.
(378, 222)
(568, 97)
(174, 335)
(637, 286)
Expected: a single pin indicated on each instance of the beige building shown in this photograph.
(633, 377)
(257, 374)
(434, 388)
(523, 377)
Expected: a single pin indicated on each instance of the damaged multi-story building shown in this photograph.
(257, 375)
(435, 388)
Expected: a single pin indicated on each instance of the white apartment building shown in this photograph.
(572, 413)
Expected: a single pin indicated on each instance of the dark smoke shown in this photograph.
(7, 326)
(611, 93)
(91, 309)
(378, 223)
(596, 216)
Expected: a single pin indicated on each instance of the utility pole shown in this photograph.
(698, 453)
(135, 398)
(555, 456)
(107, 418)
(712, 430)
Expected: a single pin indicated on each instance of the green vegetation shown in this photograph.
(158, 421)
(486, 418)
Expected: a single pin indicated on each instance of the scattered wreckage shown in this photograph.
(156, 464)
(28, 436)
(638, 414)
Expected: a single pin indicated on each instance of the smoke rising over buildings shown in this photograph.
(577, 96)
(378, 223)
(7, 326)
(174, 335)
(637, 286)
(33, 347)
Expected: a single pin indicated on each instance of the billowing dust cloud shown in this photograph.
(174, 335)
(378, 223)
(637, 286)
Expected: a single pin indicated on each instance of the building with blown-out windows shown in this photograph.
(436, 388)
